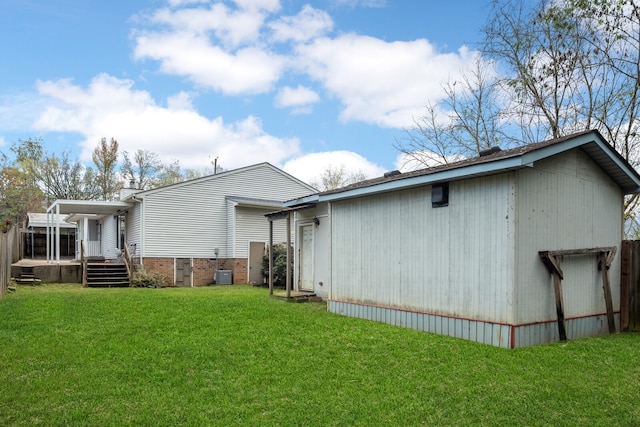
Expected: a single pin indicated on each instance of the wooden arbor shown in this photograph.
(605, 257)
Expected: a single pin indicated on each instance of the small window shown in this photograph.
(440, 195)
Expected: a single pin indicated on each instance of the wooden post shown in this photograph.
(604, 268)
(557, 286)
(270, 256)
(625, 284)
(634, 289)
(288, 255)
(605, 258)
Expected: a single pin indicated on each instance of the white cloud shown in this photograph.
(233, 27)
(246, 71)
(309, 23)
(180, 101)
(227, 49)
(296, 97)
(109, 107)
(176, 3)
(310, 167)
(383, 83)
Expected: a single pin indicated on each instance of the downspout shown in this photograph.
(330, 293)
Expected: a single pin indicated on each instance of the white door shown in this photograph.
(306, 258)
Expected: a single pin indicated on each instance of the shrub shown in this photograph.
(148, 279)
(279, 265)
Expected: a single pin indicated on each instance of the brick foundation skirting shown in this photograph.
(204, 269)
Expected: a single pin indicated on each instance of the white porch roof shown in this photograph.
(88, 207)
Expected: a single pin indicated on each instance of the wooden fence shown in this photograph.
(630, 286)
(9, 253)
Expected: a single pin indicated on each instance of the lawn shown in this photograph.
(235, 356)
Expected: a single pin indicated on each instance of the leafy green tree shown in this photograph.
(105, 158)
(279, 265)
(18, 195)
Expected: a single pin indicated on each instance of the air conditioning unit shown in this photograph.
(224, 277)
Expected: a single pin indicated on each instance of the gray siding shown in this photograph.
(395, 250)
(565, 202)
(495, 334)
(189, 220)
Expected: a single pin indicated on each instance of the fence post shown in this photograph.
(9, 253)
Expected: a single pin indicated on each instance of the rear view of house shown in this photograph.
(456, 250)
(190, 230)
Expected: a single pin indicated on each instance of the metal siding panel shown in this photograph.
(487, 333)
(565, 202)
(473, 330)
(446, 260)
(466, 329)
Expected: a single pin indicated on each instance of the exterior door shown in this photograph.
(183, 271)
(306, 258)
(256, 253)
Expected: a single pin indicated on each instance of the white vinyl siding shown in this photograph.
(133, 223)
(252, 225)
(189, 220)
(109, 238)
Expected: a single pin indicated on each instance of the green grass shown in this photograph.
(234, 356)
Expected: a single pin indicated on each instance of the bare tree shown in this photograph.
(64, 178)
(464, 123)
(56, 177)
(336, 177)
(143, 169)
(566, 66)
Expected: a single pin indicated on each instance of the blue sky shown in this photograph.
(298, 84)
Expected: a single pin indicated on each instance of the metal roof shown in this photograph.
(39, 220)
(591, 142)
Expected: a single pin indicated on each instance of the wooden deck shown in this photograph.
(297, 296)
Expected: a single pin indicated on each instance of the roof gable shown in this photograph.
(220, 175)
(591, 142)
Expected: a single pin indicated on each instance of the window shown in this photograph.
(440, 195)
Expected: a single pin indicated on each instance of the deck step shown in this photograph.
(107, 275)
(27, 277)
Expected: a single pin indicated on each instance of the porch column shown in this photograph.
(288, 255)
(58, 234)
(85, 236)
(48, 235)
(270, 256)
